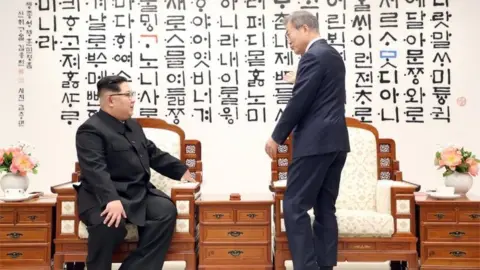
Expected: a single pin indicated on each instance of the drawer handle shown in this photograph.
(457, 234)
(14, 235)
(474, 216)
(457, 253)
(235, 253)
(218, 216)
(32, 218)
(251, 215)
(439, 215)
(14, 255)
(235, 233)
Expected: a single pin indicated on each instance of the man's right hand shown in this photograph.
(114, 213)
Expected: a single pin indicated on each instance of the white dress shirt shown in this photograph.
(311, 42)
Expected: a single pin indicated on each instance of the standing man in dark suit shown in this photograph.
(115, 159)
(316, 115)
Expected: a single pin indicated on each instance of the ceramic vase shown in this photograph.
(462, 182)
(14, 181)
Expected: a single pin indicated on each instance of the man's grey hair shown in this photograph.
(302, 17)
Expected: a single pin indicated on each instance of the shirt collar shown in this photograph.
(311, 43)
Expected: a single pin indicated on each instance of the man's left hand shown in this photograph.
(271, 148)
(187, 177)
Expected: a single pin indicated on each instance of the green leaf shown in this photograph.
(3, 169)
(448, 172)
(34, 171)
(438, 155)
(462, 168)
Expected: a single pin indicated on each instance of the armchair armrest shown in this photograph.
(397, 199)
(278, 188)
(184, 196)
(67, 220)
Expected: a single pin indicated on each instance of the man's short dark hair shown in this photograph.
(110, 83)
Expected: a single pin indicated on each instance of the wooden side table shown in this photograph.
(449, 233)
(236, 232)
(26, 234)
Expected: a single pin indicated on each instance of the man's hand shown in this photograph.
(114, 212)
(271, 148)
(290, 77)
(187, 177)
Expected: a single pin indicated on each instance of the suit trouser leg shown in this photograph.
(155, 237)
(325, 227)
(305, 179)
(102, 240)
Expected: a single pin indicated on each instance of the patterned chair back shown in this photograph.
(359, 176)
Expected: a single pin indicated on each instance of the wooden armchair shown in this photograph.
(71, 234)
(375, 208)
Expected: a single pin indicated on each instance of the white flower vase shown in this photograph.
(14, 181)
(461, 182)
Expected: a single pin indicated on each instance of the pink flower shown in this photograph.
(1, 156)
(14, 151)
(472, 166)
(21, 164)
(450, 157)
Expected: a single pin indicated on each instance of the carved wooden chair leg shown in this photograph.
(412, 263)
(279, 263)
(191, 262)
(58, 262)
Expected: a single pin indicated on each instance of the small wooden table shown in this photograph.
(235, 233)
(26, 233)
(449, 232)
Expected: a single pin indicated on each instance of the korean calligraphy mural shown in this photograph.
(222, 62)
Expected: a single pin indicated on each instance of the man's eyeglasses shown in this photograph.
(128, 94)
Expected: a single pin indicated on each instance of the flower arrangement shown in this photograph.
(455, 159)
(17, 160)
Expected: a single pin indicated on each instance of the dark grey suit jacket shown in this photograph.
(115, 160)
(316, 111)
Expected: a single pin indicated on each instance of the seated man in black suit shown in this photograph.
(115, 159)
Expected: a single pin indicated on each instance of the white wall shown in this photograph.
(233, 155)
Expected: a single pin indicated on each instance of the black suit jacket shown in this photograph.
(316, 111)
(115, 160)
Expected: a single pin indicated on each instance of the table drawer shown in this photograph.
(10, 255)
(7, 217)
(252, 215)
(217, 215)
(23, 234)
(32, 216)
(453, 252)
(234, 233)
(455, 233)
(234, 254)
(467, 215)
(440, 215)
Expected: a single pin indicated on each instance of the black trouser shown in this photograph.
(153, 243)
(313, 182)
